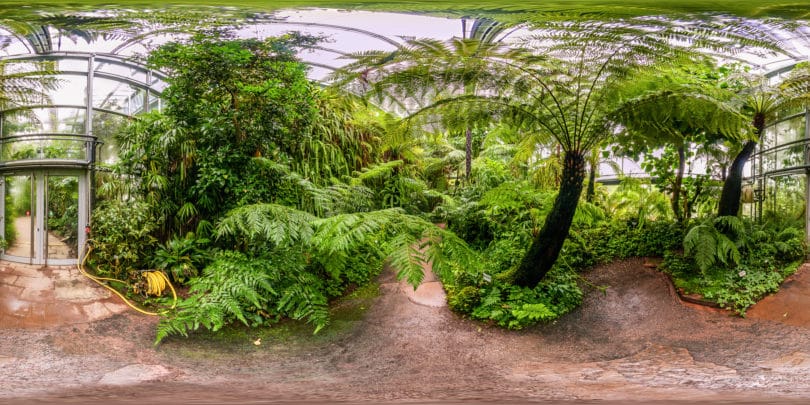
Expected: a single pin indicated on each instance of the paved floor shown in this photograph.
(57, 249)
(34, 297)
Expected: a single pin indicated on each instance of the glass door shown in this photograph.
(62, 225)
(20, 217)
(44, 214)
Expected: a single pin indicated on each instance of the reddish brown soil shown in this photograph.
(635, 342)
(791, 305)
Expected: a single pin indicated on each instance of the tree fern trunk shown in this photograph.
(589, 193)
(732, 188)
(546, 246)
(676, 187)
(468, 153)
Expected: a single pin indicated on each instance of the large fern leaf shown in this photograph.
(279, 224)
(701, 244)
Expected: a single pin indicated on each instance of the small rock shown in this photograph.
(134, 374)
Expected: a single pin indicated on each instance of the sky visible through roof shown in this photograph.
(344, 32)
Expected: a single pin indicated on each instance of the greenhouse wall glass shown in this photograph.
(51, 149)
(778, 172)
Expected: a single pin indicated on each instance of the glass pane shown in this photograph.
(117, 96)
(19, 216)
(117, 68)
(45, 120)
(106, 126)
(36, 147)
(63, 217)
(75, 65)
(789, 131)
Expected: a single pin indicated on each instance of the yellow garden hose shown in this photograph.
(156, 282)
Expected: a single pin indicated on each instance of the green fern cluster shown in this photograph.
(517, 307)
(739, 261)
(289, 263)
(730, 241)
(715, 240)
(253, 291)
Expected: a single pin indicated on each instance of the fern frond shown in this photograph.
(701, 244)
(279, 224)
(407, 259)
(731, 224)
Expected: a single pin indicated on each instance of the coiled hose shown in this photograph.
(156, 281)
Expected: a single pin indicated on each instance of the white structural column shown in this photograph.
(807, 176)
(85, 177)
(88, 114)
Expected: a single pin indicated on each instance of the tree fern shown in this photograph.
(407, 258)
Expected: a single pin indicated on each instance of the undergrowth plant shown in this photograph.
(288, 263)
(735, 262)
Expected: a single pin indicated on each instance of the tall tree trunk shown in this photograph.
(591, 190)
(732, 188)
(676, 188)
(468, 154)
(546, 245)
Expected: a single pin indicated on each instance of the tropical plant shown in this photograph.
(739, 262)
(708, 245)
(183, 257)
(564, 95)
(231, 106)
(636, 201)
(121, 237)
(673, 109)
(763, 102)
(254, 291)
(285, 262)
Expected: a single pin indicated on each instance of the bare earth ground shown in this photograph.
(635, 342)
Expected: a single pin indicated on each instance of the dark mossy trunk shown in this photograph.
(468, 153)
(676, 188)
(547, 244)
(732, 188)
(589, 193)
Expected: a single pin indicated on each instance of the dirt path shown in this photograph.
(636, 341)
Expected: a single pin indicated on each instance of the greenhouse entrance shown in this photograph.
(42, 218)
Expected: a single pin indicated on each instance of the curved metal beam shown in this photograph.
(75, 106)
(337, 27)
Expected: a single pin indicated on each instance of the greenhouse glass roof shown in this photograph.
(367, 25)
(119, 37)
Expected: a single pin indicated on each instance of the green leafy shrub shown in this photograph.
(608, 241)
(254, 291)
(735, 262)
(735, 289)
(516, 307)
(122, 237)
(464, 300)
(182, 257)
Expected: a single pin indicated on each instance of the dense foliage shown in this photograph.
(268, 198)
(233, 189)
(734, 262)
